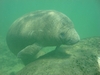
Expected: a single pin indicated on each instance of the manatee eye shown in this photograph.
(63, 37)
(62, 34)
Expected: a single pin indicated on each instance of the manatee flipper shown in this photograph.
(29, 51)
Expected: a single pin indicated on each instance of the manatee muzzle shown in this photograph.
(73, 37)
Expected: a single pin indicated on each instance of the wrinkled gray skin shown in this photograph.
(33, 31)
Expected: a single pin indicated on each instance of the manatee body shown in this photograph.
(39, 29)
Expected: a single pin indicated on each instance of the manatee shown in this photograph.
(39, 29)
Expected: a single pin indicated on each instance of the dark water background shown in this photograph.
(85, 15)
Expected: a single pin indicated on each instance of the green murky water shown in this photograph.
(85, 15)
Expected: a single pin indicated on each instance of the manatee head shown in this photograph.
(67, 33)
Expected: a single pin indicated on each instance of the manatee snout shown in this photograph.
(72, 37)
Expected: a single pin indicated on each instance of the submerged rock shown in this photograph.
(79, 59)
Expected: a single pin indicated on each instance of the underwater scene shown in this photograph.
(49, 37)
